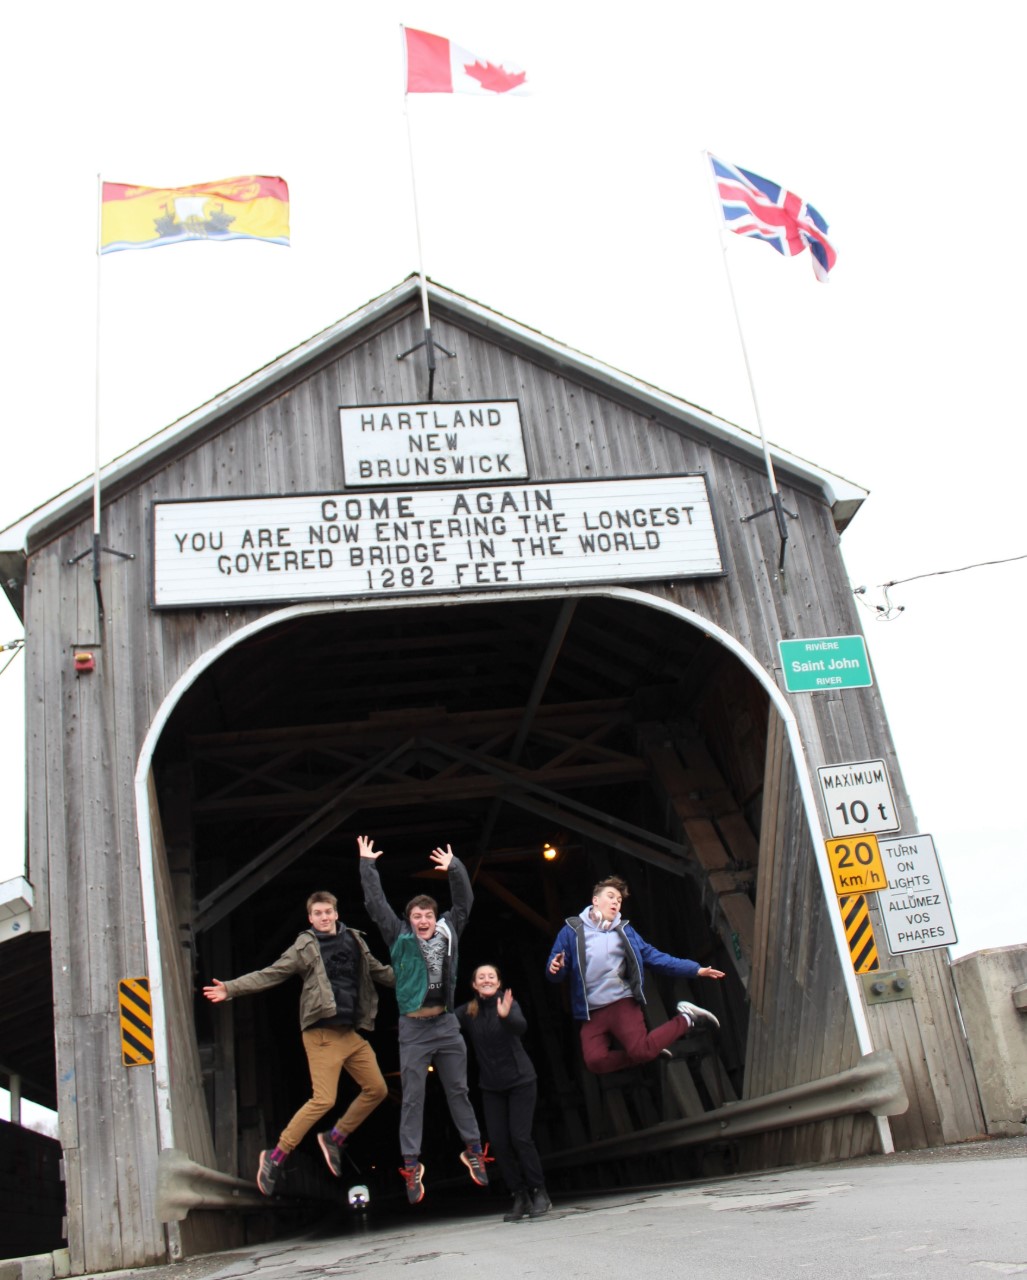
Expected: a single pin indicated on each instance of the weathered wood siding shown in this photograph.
(85, 735)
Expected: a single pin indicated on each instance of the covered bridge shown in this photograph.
(525, 607)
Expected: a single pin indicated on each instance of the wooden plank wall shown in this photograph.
(85, 732)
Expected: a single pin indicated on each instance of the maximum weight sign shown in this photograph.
(858, 798)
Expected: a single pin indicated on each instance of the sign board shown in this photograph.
(469, 441)
(915, 907)
(135, 1011)
(859, 933)
(856, 865)
(825, 662)
(327, 546)
(858, 797)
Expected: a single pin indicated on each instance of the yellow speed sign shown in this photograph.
(856, 864)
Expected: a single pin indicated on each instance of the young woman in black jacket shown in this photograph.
(494, 1024)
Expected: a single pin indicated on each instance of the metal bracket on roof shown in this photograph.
(779, 510)
(430, 346)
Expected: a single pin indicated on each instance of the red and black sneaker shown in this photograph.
(476, 1162)
(413, 1176)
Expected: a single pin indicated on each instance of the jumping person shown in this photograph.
(606, 958)
(494, 1024)
(423, 947)
(337, 1000)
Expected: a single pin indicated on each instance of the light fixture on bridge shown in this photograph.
(549, 852)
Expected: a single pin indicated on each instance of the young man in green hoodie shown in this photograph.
(423, 947)
(337, 1001)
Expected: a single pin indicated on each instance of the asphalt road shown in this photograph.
(942, 1214)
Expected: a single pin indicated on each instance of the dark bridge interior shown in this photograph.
(626, 739)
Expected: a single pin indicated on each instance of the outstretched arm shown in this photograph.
(283, 968)
(461, 893)
(375, 901)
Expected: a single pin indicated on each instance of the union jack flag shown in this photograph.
(752, 206)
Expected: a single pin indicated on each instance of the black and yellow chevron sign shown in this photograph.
(859, 932)
(136, 1021)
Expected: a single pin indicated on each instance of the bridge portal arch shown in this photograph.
(559, 605)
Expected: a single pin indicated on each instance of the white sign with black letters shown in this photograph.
(858, 798)
(468, 442)
(323, 546)
(915, 906)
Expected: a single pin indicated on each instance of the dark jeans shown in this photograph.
(508, 1117)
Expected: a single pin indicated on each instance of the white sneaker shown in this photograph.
(695, 1015)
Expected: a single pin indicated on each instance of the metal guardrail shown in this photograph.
(182, 1184)
(874, 1085)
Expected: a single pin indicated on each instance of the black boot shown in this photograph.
(540, 1202)
(521, 1206)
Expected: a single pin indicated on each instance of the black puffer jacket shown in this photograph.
(502, 1061)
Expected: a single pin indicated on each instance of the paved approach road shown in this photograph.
(955, 1212)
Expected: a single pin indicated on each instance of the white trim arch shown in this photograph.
(630, 595)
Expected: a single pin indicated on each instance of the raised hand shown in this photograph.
(442, 858)
(505, 1003)
(366, 846)
(557, 962)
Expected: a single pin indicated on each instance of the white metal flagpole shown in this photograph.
(96, 391)
(775, 497)
(97, 547)
(429, 344)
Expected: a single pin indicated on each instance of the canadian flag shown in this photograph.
(436, 65)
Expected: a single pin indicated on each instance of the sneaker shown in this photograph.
(540, 1202)
(413, 1176)
(695, 1014)
(331, 1151)
(268, 1173)
(476, 1161)
(666, 1053)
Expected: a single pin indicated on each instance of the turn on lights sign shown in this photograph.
(323, 546)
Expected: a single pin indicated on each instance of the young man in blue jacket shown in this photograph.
(423, 947)
(605, 958)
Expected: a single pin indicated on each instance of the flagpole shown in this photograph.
(96, 402)
(96, 547)
(420, 252)
(775, 497)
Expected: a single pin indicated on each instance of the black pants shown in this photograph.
(508, 1117)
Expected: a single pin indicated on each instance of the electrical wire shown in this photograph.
(16, 646)
(889, 611)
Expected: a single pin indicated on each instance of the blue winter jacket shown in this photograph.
(571, 941)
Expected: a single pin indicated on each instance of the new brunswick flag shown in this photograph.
(249, 208)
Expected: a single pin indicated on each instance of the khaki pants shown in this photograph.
(331, 1050)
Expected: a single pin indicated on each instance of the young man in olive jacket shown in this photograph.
(423, 947)
(337, 1000)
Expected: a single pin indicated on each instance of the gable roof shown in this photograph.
(72, 504)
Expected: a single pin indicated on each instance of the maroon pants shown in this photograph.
(623, 1021)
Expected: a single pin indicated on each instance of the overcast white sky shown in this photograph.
(583, 211)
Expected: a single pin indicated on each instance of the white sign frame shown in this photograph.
(438, 442)
(915, 907)
(865, 786)
(418, 542)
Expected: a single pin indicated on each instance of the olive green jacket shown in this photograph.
(316, 999)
